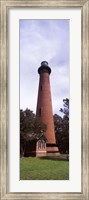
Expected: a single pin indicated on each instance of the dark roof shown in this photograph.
(43, 137)
(33, 136)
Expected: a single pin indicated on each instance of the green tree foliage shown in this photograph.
(65, 110)
(31, 128)
(62, 128)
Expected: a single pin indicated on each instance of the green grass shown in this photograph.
(33, 168)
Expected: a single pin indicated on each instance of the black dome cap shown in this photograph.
(44, 67)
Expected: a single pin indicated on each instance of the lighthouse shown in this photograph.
(44, 108)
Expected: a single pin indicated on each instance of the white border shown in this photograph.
(74, 183)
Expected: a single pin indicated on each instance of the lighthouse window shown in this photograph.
(43, 145)
(41, 87)
(39, 144)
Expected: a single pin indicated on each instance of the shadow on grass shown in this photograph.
(54, 158)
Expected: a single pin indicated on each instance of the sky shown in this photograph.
(44, 40)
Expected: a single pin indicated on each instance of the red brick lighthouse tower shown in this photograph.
(44, 106)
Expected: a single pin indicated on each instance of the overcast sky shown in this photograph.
(44, 40)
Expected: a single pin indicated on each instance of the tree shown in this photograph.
(62, 128)
(65, 110)
(58, 124)
(31, 128)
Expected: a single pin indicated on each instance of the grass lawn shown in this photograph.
(33, 168)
